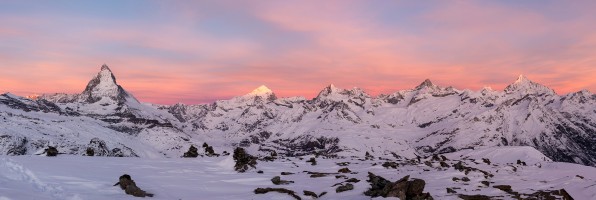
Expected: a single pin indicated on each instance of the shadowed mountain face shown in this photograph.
(422, 121)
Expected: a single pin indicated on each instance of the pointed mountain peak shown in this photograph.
(426, 83)
(526, 86)
(105, 67)
(103, 85)
(261, 91)
(522, 79)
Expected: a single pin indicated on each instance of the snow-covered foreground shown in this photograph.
(77, 177)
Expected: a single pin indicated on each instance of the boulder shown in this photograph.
(277, 181)
(402, 189)
(344, 170)
(51, 151)
(192, 152)
(130, 187)
(343, 188)
(244, 161)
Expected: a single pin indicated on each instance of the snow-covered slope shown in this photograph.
(422, 121)
(70, 177)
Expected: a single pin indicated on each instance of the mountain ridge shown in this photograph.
(422, 121)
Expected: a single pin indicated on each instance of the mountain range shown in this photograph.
(422, 121)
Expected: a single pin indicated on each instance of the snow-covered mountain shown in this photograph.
(422, 121)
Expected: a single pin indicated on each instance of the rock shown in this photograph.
(344, 170)
(390, 165)
(486, 183)
(260, 172)
(486, 160)
(428, 163)
(506, 188)
(455, 179)
(367, 156)
(353, 180)
(310, 193)
(322, 193)
(519, 162)
(444, 158)
(344, 188)
(319, 174)
(444, 164)
(312, 161)
(244, 161)
(465, 179)
(415, 187)
(277, 181)
(459, 166)
(451, 191)
(210, 152)
(436, 158)
(280, 190)
(343, 164)
(192, 152)
(99, 147)
(578, 176)
(474, 197)
(286, 173)
(402, 189)
(341, 176)
(51, 151)
(90, 151)
(130, 187)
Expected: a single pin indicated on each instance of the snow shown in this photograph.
(260, 91)
(503, 155)
(76, 177)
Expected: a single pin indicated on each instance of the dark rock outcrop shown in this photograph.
(244, 161)
(192, 152)
(343, 188)
(280, 190)
(403, 188)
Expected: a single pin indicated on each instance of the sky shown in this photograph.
(200, 51)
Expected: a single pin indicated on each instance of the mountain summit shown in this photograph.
(524, 86)
(104, 85)
(261, 91)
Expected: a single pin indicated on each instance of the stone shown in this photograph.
(310, 193)
(192, 152)
(506, 188)
(344, 188)
(402, 189)
(280, 190)
(130, 187)
(244, 161)
(277, 181)
(344, 170)
(51, 151)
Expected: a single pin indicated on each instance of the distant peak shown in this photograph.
(261, 90)
(526, 86)
(521, 79)
(424, 84)
(105, 67)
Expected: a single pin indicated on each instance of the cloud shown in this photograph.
(195, 52)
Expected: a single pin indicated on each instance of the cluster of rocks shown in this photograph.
(209, 150)
(402, 189)
(244, 161)
(192, 152)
